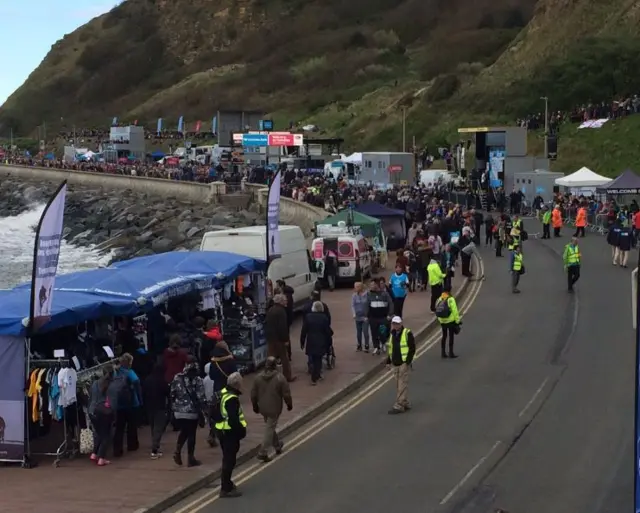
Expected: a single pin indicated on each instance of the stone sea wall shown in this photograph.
(134, 223)
(141, 216)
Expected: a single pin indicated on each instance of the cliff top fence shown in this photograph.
(291, 212)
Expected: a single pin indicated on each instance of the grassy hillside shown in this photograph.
(299, 59)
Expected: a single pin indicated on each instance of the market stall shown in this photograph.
(393, 222)
(98, 315)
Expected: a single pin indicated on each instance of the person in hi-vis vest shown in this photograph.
(401, 348)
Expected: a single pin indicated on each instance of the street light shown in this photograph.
(546, 126)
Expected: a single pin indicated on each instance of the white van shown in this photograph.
(295, 266)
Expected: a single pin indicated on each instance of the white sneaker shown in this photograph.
(376, 351)
(384, 348)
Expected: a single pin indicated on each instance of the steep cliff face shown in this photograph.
(149, 58)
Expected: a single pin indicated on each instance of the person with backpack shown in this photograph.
(221, 366)
(128, 392)
(101, 414)
(449, 318)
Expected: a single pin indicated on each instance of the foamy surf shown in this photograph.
(17, 237)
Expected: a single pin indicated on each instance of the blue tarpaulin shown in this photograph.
(68, 308)
(378, 210)
(139, 284)
(157, 155)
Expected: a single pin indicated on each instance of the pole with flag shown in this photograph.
(636, 431)
(180, 124)
(46, 254)
(159, 127)
(273, 218)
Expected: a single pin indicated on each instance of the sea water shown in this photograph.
(17, 238)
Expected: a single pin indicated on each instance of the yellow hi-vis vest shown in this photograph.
(224, 425)
(517, 261)
(573, 255)
(404, 344)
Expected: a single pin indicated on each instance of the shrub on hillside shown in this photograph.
(443, 88)
(593, 70)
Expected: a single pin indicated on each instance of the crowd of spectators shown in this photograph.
(614, 110)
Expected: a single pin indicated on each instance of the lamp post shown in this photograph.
(546, 125)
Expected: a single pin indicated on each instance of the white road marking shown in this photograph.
(535, 396)
(468, 475)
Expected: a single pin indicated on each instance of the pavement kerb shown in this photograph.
(182, 492)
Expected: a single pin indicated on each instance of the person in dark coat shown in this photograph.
(222, 366)
(288, 292)
(276, 329)
(316, 296)
(315, 339)
(155, 391)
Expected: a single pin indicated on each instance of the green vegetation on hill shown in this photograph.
(352, 68)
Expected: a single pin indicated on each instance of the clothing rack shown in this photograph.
(96, 371)
(67, 448)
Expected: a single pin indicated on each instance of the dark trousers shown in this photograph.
(398, 305)
(376, 337)
(579, 231)
(489, 239)
(498, 248)
(188, 430)
(157, 423)
(436, 292)
(230, 446)
(125, 422)
(573, 275)
(101, 434)
(556, 232)
(448, 334)
(546, 231)
(315, 366)
(466, 264)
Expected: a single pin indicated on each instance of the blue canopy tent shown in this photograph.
(627, 183)
(157, 155)
(68, 308)
(393, 221)
(140, 284)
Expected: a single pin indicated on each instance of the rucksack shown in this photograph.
(443, 310)
(123, 390)
(215, 408)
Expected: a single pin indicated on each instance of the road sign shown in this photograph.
(255, 140)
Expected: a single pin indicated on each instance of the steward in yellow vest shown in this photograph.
(436, 281)
(517, 269)
(572, 259)
(231, 427)
(401, 348)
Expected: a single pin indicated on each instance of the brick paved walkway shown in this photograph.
(135, 481)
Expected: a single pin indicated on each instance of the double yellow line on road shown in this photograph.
(333, 415)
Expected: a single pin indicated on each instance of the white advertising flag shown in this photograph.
(273, 218)
(45, 257)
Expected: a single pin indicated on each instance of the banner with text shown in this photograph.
(12, 403)
(273, 218)
(46, 255)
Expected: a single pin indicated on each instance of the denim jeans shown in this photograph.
(362, 328)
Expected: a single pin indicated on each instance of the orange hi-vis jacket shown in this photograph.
(556, 218)
(581, 218)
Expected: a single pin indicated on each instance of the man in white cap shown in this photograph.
(401, 348)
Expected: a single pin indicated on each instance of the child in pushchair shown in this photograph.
(329, 358)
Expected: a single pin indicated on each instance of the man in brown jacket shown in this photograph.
(270, 390)
(276, 329)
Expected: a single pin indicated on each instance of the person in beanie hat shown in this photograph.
(270, 390)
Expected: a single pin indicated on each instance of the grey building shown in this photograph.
(229, 122)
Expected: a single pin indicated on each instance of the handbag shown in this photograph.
(195, 403)
(521, 270)
(86, 439)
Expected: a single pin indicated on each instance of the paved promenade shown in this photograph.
(135, 482)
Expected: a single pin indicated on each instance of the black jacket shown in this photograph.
(233, 411)
(155, 391)
(307, 309)
(315, 337)
(222, 365)
(396, 356)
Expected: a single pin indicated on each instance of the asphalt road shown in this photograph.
(577, 453)
(535, 415)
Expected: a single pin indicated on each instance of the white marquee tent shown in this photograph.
(584, 177)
